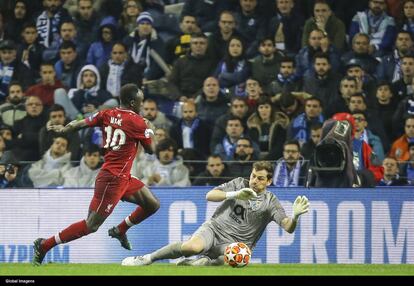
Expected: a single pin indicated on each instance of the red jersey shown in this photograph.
(122, 130)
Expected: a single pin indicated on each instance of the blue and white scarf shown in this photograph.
(239, 89)
(113, 82)
(140, 51)
(47, 28)
(283, 178)
(300, 130)
(6, 75)
(228, 147)
(397, 74)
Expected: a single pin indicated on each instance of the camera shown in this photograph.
(10, 169)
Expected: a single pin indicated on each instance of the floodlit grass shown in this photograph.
(162, 269)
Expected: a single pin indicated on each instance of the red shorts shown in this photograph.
(109, 189)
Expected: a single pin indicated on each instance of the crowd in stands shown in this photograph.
(226, 82)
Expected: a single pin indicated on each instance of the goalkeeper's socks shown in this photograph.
(138, 215)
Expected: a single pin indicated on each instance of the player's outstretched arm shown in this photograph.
(71, 126)
(219, 195)
(300, 206)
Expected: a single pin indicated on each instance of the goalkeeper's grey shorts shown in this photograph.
(214, 242)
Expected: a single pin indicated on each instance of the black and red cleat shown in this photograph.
(123, 239)
(38, 254)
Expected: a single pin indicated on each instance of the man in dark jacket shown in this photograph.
(216, 173)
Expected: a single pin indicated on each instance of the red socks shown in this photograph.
(134, 218)
(72, 232)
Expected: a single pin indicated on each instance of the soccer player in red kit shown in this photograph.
(123, 129)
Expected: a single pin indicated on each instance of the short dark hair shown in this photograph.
(291, 142)
(264, 165)
(128, 93)
(288, 59)
(321, 55)
(67, 45)
(166, 144)
(91, 148)
(56, 107)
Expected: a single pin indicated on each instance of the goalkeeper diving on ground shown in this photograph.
(246, 210)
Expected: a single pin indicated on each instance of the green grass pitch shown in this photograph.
(17, 269)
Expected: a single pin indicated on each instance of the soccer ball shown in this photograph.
(237, 254)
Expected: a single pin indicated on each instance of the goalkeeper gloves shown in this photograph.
(243, 194)
(300, 206)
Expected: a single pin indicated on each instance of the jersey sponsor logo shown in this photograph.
(238, 214)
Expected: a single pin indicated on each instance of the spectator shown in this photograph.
(167, 169)
(100, 51)
(190, 132)
(13, 109)
(87, 97)
(15, 23)
(358, 102)
(84, 175)
(48, 22)
(399, 148)
(390, 67)
(243, 158)
(189, 72)
(253, 92)
(47, 86)
(315, 137)
(340, 103)
(128, 21)
(233, 70)
(251, 25)
(26, 144)
(290, 170)
(360, 52)
(238, 109)
(386, 106)
(179, 45)
(268, 128)
(9, 171)
(292, 103)
(407, 167)
(286, 80)
(151, 112)
(226, 147)
(216, 173)
(391, 174)
(322, 82)
(57, 116)
(267, 64)
(218, 40)
(405, 23)
(299, 127)
(362, 132)
(12, 69)
(119, 71)
(48, 171)
(69, 65)
(327, 22)
(318, 42)
(365, 83)
(29, 51)
(286, 27)
(205, 12)
(377, 24)
(211, 103)
(87, 21)
(6, 133)
(142, 44)
(402, 88)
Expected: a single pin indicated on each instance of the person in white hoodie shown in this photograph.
(87, 97)
(47, 172)
(167, 169)
(84, 175)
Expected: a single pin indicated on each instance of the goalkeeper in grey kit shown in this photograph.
(246, 210)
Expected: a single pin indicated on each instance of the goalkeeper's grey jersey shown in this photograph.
(245, 221)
